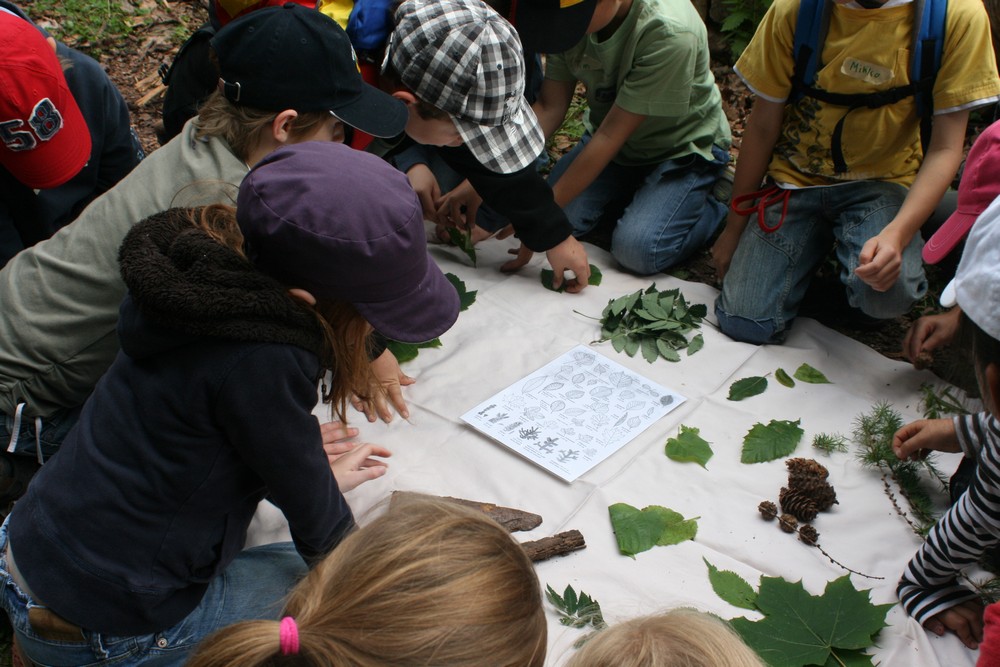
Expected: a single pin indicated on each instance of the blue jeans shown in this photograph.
(53, 431)
(770, 271)
(252, 587)
(663, 213)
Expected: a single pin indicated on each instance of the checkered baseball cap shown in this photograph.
(465, 59)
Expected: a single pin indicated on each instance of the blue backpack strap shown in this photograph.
(370, 25)
(928, 45)
(811, 26)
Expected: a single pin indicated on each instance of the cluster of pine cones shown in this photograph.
(807, 494)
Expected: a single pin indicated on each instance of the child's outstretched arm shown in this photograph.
(759, 137)
(917, 439)
(881, 256)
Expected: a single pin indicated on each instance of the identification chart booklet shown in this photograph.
(574, 412)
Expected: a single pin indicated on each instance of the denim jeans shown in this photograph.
(770, 271)
(252, 587)
(663, 213)
(49, 432)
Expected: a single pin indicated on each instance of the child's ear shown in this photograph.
(991, 390)
(281, 126)
(302, 295)
(406, 97)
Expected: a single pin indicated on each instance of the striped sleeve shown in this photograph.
(929, 584)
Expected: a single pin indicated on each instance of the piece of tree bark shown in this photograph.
(510, 518)
(559, 544)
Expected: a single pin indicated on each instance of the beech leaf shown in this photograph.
(688, 446)
(747, 387)
(548, 277)
(463, 242)
(731, 587)
(640, 530)
(781, 376)
(766, 443)
(803, 629)
(807, 373)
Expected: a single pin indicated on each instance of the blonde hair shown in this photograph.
(347, 343)
(241, 127)
(678, 638)
(428, 583)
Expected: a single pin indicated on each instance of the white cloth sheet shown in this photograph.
(516, 326)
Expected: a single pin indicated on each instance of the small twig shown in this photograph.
(841, 565)
(895, 504)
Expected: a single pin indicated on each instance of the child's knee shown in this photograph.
(746, 329)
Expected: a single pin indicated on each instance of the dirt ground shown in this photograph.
(160, 25)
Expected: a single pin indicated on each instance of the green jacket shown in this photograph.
(60, 298)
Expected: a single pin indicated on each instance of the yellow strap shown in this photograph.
(340, 10)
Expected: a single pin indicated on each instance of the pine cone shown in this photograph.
(798, 504)
(808, 535)
(800, 469)
(821, 493)
(788, 523)
(768, 510)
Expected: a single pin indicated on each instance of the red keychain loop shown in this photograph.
(759, 201)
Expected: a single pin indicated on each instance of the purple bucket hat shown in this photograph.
(346, 225)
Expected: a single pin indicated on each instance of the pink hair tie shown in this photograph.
(289, 635)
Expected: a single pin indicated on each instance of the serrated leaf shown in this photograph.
(766, 443)
(698, 310)
(618, 342)
(747, 387)
(463, 242)
(408, 351)
(574, 610)
(666, 350)
(696, 344)
(548, 278)
(631, 345)
(649, 351)
(781, 376)
(465, 297)
(803, 629)
(688, 446)
(731, 587)
(807, 373)
(640, 530)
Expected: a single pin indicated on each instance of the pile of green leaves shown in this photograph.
(766, 443)
(408, 351)
(872, 434)
(802, 629)
(688, 446)
(653, 526)
(548, 276)
(756, 384)
(657, 323)
(576, 610)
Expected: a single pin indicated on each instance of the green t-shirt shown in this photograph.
(655, 64)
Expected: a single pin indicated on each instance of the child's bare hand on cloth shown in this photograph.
(965, 620)
(357, 466)
(391, 380)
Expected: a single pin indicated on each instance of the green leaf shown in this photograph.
(696, 344)
(631, 345)
(766, 443)
(781, 376)
(688, 446)
(408, 351)
(666, 350)
(731, 587)
(548, 278)
(747, 387)
(640, 530)
(595, 276)
(807, 373)
(463, 241)
(849, 658)
(465, 297)
(574, 610)
(649, 351)
(803, 629)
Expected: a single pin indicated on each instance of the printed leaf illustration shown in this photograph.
(408, 351)
(463, 242)
(731, 587)
(781, 376)
(747, 387)
(548, 277)
(641, 530)
(689, 446)
(803, 629)
(807, 373)
(465, 297)
(576, 610)
(766, 443)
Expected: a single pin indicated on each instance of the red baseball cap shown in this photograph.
(45, 140)
(977, 190)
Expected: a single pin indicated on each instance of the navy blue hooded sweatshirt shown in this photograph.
(206, 410)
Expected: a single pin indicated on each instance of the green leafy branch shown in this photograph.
(653, 322)
(939, 402)
(576, 610)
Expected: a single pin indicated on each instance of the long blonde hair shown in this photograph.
(678, 638)
(347, 343)
(427, 583)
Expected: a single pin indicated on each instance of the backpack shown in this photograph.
(811, 27)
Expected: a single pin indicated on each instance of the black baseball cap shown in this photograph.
(551, 26)
(292, 57)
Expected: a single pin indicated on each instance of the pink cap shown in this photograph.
(978, 188)
(44, 140)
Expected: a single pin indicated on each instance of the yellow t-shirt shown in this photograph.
(865, 51)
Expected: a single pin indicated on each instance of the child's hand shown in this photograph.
(391, 381)
(568, 255)
(965, 620)
(459, 206)
(724, 248)
(880, 262)
(425, 184)
(915, 440)
(356, 467)
(929, 333)
(337, 439)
